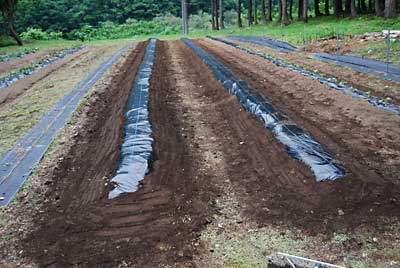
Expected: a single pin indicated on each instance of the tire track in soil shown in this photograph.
(365, 145)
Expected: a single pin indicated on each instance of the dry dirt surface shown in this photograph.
(206, 148)
(378, 87)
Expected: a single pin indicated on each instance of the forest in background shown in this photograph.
(112, 19)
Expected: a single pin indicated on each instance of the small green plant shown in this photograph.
(18, 54)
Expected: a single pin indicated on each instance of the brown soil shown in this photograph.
(13, 91)
(347, 44)
(366, 145)
(379, 87)
(204, 141)
(151, 227)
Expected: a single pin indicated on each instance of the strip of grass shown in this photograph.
(315, 29)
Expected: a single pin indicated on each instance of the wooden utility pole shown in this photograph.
(185, 21)
(305, 10)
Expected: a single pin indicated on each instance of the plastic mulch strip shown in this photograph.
(331, 82)
(18, 163)
(136, 150)
(377, 68)
(271, 43)
(299, 145)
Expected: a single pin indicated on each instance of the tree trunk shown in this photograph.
(270, 10)
(327, 8)
(185, 23)
(279, 10)
(338, 7)
(239, 13)
(249, 13)
(305, 11)
(316, 7)
(363, 7)
(216, 15)
(286, 20)
(255, 12)
(263, 15)
(11, 22)
(369, 6)
(353, 9)
(213, 15)
(300, 9)
(390, 9)
(347, 7)
(221, 14)
(291, 10)
(378, 9)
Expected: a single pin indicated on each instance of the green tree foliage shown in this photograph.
(68, 15)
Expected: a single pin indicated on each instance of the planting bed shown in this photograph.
(372, 67)
(330, 81)
(13, 55)
(216, 171)
(42, 63)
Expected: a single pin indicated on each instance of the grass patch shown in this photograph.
(317, 28)
(250, 248)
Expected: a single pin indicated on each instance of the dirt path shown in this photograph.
(366, 145)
